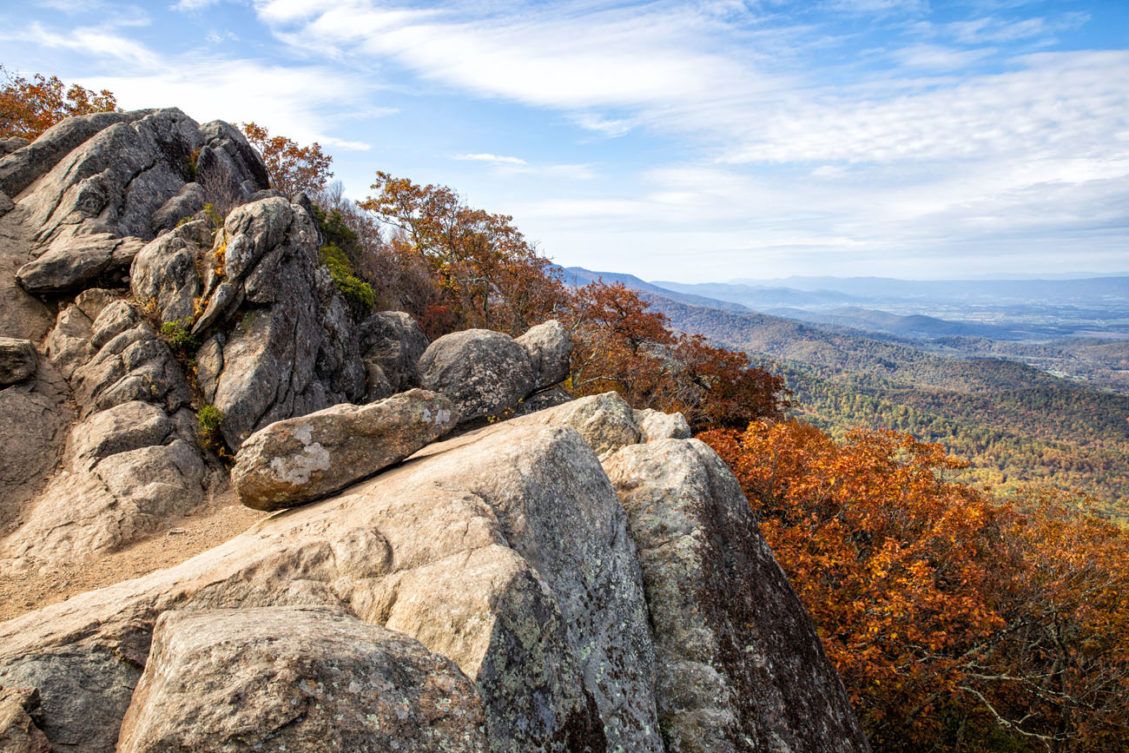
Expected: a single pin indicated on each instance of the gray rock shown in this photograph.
(124, 427)
(740, 666)
(75, 261)
(6, 204)
(165, 272)
(605, 421)
(549, 347)
(655, 425)
(296, 679)
(430, 549)
(19, 729)
(484, 373)
(391, 345)
(18, 360)
(22, 166)
(130, 363)
(300, 459)
(185, 204)
(90, 509)
(11, 144)
(35, 416)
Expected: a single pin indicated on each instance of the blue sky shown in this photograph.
(674, 140)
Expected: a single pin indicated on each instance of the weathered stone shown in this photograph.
(165, 272)
(6, 204)
(184, 205)
(300, 459)
(391, 346)
(130, 363)
(655, 425)
(296, 679)
(10, 144)
(18, 360)
(22, 166)
(124, 427)
(19, 730)
(74, 262)
(549, 348)
(34, 418)
(605, 421)
(484, 373)
(123, 497)
(740, 667)
(424, 549)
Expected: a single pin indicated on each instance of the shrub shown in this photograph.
(178, 334)
(358, 292)
(209, 420)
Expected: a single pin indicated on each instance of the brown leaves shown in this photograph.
(30, 107)
(957, 622)
(292, 168)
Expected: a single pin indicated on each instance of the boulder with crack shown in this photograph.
(740, 667)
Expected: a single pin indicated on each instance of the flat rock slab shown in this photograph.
(301, 459)
(296, 679)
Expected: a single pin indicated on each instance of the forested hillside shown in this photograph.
(1014, 423)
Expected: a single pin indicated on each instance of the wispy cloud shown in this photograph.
(98, 42)
(497, 159)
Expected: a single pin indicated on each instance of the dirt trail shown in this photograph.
(192, 535)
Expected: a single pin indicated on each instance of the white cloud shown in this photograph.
(94, 41)
(301, 102)
(187, 6)
(493, 158)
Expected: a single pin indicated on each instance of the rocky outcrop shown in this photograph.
(300, 459)
(18, 360)
(739, 669)
(493, 591)
(104, 183)
(549, 347)
(296, 679)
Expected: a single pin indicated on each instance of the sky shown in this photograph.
(689, 141)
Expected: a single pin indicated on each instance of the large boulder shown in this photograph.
(296, 679)
(549, 347)
(18, 360)
(300, 459)
(485, 373)
(740, 667)
(504, 550)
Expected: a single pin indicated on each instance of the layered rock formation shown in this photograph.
(573, 576)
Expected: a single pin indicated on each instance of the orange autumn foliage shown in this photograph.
(28, 107)
(292, 168)
(957, 622)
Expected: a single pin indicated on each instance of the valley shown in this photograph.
(1021, 411)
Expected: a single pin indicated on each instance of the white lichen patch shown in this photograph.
(297, 469)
